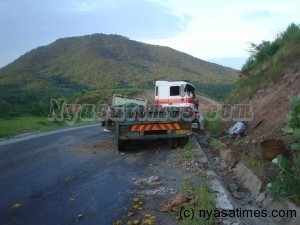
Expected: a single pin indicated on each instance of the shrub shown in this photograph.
(213, 122)
(288, 184)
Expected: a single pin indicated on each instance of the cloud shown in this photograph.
(127, 17)
(32, 23)
(258, 15)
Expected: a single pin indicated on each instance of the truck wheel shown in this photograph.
(182, 141)
(121, 145)
(172, 143)
(110, 125)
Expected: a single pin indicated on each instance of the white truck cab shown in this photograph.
(175, 93)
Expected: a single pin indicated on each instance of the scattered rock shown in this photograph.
(80, 216)
(17, 205)
(149, 219)
(233, 187)
(236, 196)
(260, 205)
(260, 197)
(118, 222)
(253, 142)
(153, 179)
(223, 166)
(129, 214)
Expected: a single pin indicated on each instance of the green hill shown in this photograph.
(95, 62)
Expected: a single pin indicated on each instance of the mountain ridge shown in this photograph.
(100, 61)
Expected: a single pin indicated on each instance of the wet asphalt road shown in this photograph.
(55, 176)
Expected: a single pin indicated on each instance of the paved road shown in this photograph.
(57, 175)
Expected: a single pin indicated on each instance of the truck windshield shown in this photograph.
(190, 90)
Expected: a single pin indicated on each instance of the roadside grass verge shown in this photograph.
(204, 206)
(188, 151)
(11, 126)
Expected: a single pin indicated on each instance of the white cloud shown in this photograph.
(205, 29)
(224, 28)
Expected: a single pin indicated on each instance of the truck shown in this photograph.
(170, 117)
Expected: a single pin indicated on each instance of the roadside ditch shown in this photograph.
(180, 184)
(245, 189)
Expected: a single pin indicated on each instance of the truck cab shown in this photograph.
(175, 93)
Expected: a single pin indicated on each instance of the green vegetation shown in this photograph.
(100, 62)
(213, 122)
(188, 151)
(205, 203)
(288, 184)
(16, 101)
(217, 144)
(199, 190)
(261, 53)
(16, 125)
(18, 122)
(256, 162)
(218, 91)
(266, 62)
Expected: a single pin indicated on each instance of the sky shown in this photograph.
(215, 30)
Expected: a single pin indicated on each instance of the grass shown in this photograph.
(217, 144)
(188, 151)
(213, 122)
(205, 203)
(245, 88)
(256, 162)
(275, 54)
(12, 126)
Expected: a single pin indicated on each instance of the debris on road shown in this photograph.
(118, 222)
(178, 201)
(80, 216)
(137, 204)
(149, 219)
(153, 180)
(17, 205)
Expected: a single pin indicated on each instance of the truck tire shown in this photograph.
(172, 143)
(182, 141)
(121, 145)
(110, 125)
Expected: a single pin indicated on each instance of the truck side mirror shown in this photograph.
(182, 90)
